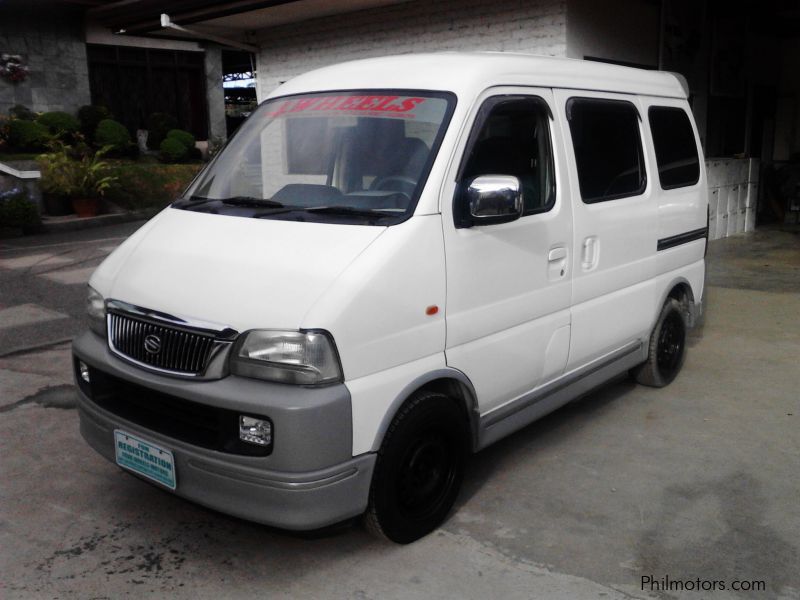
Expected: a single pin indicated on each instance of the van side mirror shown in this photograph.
(493, 199)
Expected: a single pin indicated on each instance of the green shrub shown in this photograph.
(90, 117)
(184, 137)
(158, 125)
(173, 150)
(141, 185)
(59, 123)
(16, 210)
(113, 133)
(26, 135)
(22, 112)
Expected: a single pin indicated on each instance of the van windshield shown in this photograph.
(347, 157)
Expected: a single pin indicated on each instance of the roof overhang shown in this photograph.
(236, 21)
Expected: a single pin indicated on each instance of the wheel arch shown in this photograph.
(681, 290)
(448, 381)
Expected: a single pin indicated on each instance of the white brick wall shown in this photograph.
(533, 26)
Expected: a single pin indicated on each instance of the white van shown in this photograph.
(393, 263)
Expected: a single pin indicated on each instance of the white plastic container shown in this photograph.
(733, 209)
(741, 204)
(713, 204)
(750, 219)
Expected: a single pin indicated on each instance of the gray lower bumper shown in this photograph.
(291, 489)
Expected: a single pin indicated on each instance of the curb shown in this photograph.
(78, 224)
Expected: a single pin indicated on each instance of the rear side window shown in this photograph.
(676, 151)
(608, 148)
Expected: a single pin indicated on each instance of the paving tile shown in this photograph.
(71, 276)
(33, 260)
(27, 314)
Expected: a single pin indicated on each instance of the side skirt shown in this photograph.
(504, 420)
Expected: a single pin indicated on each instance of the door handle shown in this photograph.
(556, 263)
(590, 253)
(558, 253)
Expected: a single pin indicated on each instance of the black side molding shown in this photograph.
(682, 238)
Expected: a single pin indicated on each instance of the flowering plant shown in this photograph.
(12, 69)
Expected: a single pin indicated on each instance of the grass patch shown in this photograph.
(141, 185)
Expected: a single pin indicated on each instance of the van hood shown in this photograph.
(238, 272)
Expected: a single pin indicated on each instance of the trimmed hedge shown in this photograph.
(27, 135)
(173, 150)
(184, 137)
(148, 185)
(158, 125)
(59, 123)
(113, 133)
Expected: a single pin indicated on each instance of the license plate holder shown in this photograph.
(145, 458)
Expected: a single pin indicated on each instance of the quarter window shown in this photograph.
(676, 150)
(608, 148)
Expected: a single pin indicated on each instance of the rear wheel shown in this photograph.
(419, 469)
(667, 348)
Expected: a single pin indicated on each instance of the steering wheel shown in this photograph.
(395, 183)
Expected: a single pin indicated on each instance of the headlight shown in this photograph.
(299, 357)
(96, 309)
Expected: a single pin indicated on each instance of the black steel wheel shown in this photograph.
(667, 348)
(419, 469)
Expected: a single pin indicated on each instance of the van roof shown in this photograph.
(469, 73)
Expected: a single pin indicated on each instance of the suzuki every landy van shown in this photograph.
(393, 263)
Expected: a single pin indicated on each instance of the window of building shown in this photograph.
(608, 148)
(133, 83)
(513, 138)
(676, 151)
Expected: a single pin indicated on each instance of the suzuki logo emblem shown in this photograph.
(152, 344)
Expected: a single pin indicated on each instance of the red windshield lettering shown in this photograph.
(406, 105)
(350, 103)
(281, 109)
(395, 104)
(301, 105)
(373, 102)
(328, 103)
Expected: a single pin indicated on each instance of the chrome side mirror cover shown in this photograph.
(493, 199)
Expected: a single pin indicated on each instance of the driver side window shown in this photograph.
(513, 138)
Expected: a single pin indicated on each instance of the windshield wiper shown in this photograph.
(247, 201)
(251, 202)
(345, 210)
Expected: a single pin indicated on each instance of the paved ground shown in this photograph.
(698, 480)
(43, 283)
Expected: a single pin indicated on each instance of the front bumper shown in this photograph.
(310, 480)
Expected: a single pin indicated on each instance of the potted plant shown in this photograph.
(79, 175)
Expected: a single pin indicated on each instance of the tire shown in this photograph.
(419, 469)
(667, 348)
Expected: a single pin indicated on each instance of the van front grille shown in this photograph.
(160, 346)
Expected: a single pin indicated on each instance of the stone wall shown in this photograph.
(532, 26)
(51, 43)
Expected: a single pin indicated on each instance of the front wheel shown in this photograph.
(419, 469)
(667, 348)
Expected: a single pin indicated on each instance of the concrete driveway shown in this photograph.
(698, 482)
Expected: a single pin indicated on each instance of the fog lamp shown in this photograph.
(255, 431)
(84, 370)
